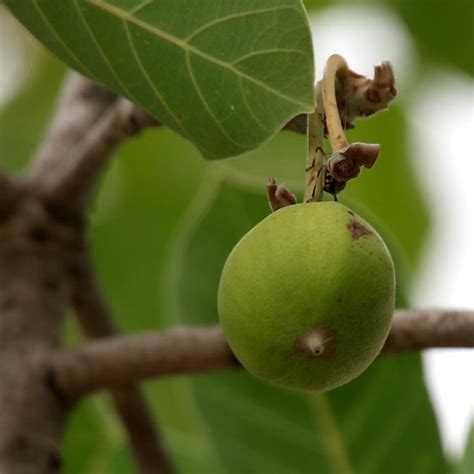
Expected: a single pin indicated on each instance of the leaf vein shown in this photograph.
(251, 112)
(60, 40)
(102, 53)
(267, 51)
(148, 79)
(206, 104)
(232, 17)
(139, 7)
(117, 12)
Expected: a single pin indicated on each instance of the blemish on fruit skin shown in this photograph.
(319, 341)
(357, 230)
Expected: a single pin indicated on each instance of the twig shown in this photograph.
(89, 124)
(126, 359)
(96, 321)
(336, 66)
(74, 182)
(81, 105)
(316, 160)
(425, 329)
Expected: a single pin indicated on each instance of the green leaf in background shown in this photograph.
(25, 118)
(443, 30)
(467, 463)
(226, 75)
(256, 427)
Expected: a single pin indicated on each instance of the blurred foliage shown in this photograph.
(467, 463)
(162, 225)
(443, 30)
(24, 119)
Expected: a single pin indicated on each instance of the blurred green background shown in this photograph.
(163, 222)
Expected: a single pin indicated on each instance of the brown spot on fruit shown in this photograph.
(319, 341)
(357, 230)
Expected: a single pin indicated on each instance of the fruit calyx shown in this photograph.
(319, 341)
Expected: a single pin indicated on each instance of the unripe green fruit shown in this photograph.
(306, 297)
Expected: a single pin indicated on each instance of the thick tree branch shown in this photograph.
(126, 359)
(96, 322)
(89, 123)
(8, 194)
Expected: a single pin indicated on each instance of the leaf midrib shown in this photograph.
(127, 17)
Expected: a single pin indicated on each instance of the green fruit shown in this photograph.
(306, 297)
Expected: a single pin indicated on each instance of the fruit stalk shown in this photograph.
(316, 161)
(336, 66)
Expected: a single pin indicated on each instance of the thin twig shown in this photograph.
(96, 321)
(335, 66)
(316, 158)
(126, 359)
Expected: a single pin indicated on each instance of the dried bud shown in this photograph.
(345, 164)
(359, 96)
(279, 195)
(342, 167)
(365, 154)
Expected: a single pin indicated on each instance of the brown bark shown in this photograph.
(35, 250)
(125, 359)
(42, 249)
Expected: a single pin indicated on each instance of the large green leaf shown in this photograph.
(226, 75)
(256, 427)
